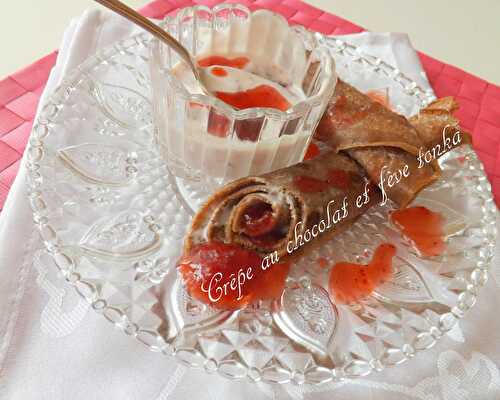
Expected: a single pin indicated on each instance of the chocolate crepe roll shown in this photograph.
(376, 137)
(288, 209)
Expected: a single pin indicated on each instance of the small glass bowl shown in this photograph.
(202, 137)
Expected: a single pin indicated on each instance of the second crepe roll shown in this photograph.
(380, 140)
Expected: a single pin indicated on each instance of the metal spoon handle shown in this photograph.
(132, 15)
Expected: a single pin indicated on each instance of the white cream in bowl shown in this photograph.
(208, 136)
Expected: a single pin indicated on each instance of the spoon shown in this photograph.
(133, 16)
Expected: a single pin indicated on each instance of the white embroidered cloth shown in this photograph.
(53, 346)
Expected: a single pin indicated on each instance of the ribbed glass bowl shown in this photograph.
(199, 136)
(112, 219)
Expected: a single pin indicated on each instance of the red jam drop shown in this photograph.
(423, 227)
(258, 219)
(308, 184)
(271, 282)
(221, 270)
(259, 96)
(350, 282)
(219, 71)
(312, 151)
(339, 178)
(237, 62)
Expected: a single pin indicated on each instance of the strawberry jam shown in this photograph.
(312, 151)
(259, 96)
(350, 282)
(228, 277)
(237, 62)
(219, 71)
(423, 227)
(258, 219)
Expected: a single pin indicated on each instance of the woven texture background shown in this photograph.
(479, 100)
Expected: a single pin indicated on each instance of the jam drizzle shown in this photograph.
(351, 282)
(312, 151)
(258, 219)
(423, 227)
(228, 277)
(237, 62)
(259, 96)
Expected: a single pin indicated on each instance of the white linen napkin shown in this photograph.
(53, 346)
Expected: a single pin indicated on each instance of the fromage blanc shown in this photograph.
(268, 92)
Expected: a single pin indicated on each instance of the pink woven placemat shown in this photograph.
(479, 100)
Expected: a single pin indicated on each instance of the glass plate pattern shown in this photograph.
(113, 219)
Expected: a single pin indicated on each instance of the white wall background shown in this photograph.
(462, 32)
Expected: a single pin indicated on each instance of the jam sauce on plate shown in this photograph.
(350, 282)
(423, 227)
(228, 277)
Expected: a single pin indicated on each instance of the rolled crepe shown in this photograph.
(275, 211)
(380, 140)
